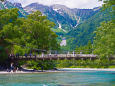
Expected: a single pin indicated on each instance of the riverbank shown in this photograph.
(60, 70)
(95, 69)
(23, 72)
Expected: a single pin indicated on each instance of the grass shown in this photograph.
(89, 66)
(112, 66)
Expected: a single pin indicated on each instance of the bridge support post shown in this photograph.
(50, 53)
(73, 53)
(43, 55)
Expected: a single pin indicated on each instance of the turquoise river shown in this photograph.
(70, 78)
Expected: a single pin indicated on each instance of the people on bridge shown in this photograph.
(17, 55)
(73, 53)
(11, 55)
(35, 55)
(42, 54)
(30, 55)
(25, 55)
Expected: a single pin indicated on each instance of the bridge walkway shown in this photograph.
(55, 57)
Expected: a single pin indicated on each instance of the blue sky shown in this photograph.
(68, 3)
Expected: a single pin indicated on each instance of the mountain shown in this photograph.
(61, 19)
(85, 31)
(64, 17)
(66, 20)
(9, 5)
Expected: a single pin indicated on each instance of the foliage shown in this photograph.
(6, 16)
(32, 32)
(63, 64)
(87, 49)
(108, 3)
(105, 40)
(83, 63)
(19, 50)
(84, 32)
(39, 65)
(111, 5)
(3, 54)
(69, 45)
(24, 35)
(46, 65)
(70, 64)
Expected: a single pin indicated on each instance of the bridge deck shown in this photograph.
(55, 57)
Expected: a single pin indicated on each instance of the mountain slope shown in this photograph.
(9, 5)
(64, 17)
(85, 31)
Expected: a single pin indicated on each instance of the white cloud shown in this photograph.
(68, 3)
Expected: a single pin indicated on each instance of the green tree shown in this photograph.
(38, 34)
(109, 4)
(3, 55)
(105, 40)
(33, 32)
(6, 17)
(86, 49)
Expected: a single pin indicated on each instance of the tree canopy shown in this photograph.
(32, 32)
(109, 4)
(105, 40)
(105, 34)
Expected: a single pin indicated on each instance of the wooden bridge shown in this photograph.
(54, 57)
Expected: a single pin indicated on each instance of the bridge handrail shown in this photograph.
(59, 56)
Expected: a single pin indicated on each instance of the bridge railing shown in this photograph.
(68, 55)
(57, 56)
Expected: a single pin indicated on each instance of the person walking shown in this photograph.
(12, 67)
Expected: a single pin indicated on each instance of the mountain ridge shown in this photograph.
(57, 13)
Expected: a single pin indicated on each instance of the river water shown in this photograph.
(71, 78)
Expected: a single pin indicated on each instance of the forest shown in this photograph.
(27, 34)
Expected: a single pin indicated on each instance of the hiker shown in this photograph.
(12, 67)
